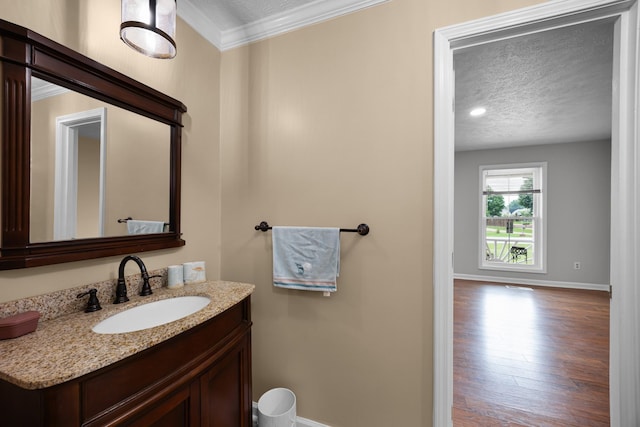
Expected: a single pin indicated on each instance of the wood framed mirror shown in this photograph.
(72, 127)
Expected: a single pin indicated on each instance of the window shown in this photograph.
(512, 216)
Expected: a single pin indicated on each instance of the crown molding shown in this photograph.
(312, 13)
(199, 22)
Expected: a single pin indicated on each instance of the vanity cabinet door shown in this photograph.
(178, 409)
(226, 389)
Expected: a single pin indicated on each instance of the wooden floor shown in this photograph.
(527, 356)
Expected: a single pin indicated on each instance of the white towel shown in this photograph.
(306, 258)
(144, 227)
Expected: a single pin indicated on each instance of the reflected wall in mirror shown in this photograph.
(96, 148)
(93, 164)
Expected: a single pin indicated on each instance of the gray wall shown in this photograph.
(578, 209)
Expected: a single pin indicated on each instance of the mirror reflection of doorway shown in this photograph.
(79, 175)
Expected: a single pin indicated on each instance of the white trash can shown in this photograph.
(277, 408)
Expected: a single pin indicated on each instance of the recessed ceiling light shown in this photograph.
(478, 111)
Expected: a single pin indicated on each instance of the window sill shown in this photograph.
(514, 268)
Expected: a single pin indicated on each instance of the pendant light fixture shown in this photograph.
(149, 26)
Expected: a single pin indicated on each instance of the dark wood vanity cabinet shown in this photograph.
(201, 377)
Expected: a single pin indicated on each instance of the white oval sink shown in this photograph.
(151, 315)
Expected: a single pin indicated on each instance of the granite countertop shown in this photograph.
(65, 348)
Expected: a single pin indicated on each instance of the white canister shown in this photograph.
(194, 272)
(175, 276)
(277, 408)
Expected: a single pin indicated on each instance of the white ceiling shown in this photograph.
(549, 87)
(230, 23)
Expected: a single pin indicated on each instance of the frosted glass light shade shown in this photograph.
(149, 26)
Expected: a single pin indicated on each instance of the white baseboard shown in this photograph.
(300, 422)
(534, 282)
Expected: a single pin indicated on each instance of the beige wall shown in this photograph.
(88, 210)
(43, 153)
(138, 152)
(330, 125)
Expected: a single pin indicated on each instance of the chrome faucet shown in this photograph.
(121, 288)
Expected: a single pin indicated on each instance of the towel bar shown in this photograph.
(362, 229)
(124, 220)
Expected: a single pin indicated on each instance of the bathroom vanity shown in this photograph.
(190, 372)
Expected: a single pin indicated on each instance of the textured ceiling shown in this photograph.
(550, 87)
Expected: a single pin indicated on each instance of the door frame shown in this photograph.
(624, 374)
(66, 171)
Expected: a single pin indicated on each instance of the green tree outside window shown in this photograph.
(495, 203)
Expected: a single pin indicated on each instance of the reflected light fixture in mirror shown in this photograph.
(149, 26)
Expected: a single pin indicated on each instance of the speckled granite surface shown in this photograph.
(65, 347)
(59, 303)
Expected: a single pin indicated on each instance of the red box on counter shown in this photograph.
(18, 324)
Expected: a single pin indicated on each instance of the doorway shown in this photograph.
(80, 168)
(624, 185)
